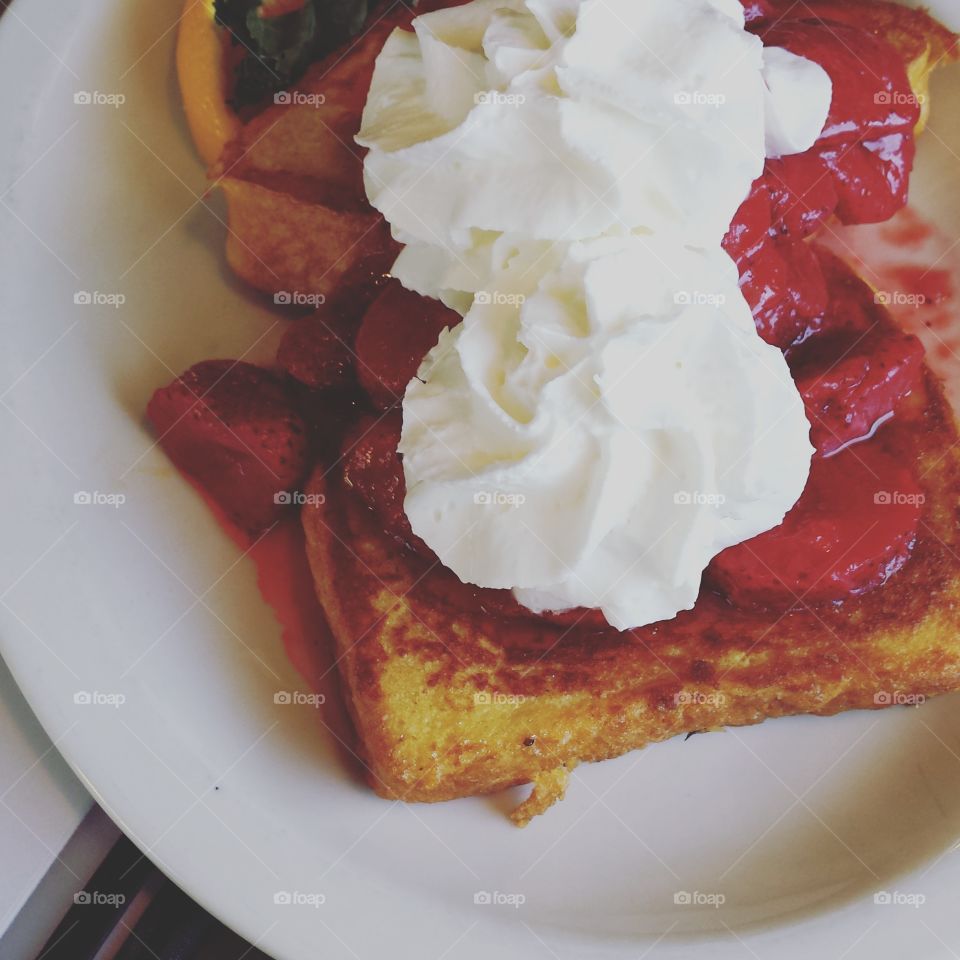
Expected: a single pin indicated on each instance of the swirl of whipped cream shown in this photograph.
(566, 119)
(605, 419)
(598, 446)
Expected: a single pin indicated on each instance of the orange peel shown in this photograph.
(202, 71)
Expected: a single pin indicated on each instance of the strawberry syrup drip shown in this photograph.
(286, 585)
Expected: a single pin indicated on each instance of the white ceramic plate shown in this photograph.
(795, 823)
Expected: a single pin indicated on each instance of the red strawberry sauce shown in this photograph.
(862, 378)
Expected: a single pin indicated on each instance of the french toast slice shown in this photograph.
(451, 700)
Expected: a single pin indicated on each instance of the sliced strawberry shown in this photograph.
(805, 281)
(854, 527)
(864, 380)
(851, 307)
(317, 350)
(871, 177)
(858, 169)
(371, 466)
(784, 285)
(802, 195)
(328, 415)
(236, 429)
(750, 226)
(867, 145)
(780, 276)
(397, 332)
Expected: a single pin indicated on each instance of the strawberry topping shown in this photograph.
(241, 432)
(398, 330)
(371, 466)
(858, 169)
(318, 350)
(860, 385)
(236, 429)
(853, 527)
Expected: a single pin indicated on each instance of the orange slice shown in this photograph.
(202, 72)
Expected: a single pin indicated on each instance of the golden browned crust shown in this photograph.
(450, 700)
(549, 786)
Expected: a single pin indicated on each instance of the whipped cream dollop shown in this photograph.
(605, 419)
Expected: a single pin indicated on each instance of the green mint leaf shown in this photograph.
(278, 50)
